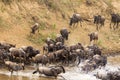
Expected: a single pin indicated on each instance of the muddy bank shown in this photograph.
(109, 52)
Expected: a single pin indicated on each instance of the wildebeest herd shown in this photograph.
(99, 20)
(56, 52)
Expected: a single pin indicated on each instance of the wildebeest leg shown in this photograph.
(11, 72)
(43, 49)
(79, 60)
(80, 23)
(97, 27)
(38, 30)
(101, 25)
(73, 24)
(77, 24)
(117, 25)
(114, 26)
(110, 25)
(20, 59)
(9, 68)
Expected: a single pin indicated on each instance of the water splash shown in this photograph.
(72, 73)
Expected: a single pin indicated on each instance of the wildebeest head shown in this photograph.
(60, 69)
(71, 21)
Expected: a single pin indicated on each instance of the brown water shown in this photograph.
(15, 77)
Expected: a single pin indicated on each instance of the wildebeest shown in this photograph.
(108, 74)
(99, 20)
(62, 55)
(100, 60)
(49, 41)
(34, 28)
(88, 65)
(59, 45)
(115, 18)
(50, 71)
(65, 33)
(59, 38)
(75, 19)
(12, 66)
(41, 58)
(95, 49)
(6, 46)
(30, 51)
(93, 36)
(17, 52)
(76, 54)
(74, 47)
(4, 55)
(51, 57)
(49, 48)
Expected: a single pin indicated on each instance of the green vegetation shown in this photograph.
(52, 35)
(37, 39)
(99, 42)
(40, 38)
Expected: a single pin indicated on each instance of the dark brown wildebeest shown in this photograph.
(50, 71)
(78, 53)
(12, 66)
(100, 60)
(75, 19)
(88, 65)
(4, 55)
(74, 47)
(41, 58)
(115, 18)
(59, 45)
(51, 57)
(65, 33)
(15, 52)
(49, 41)
(49, 48)
(93, 36)
(99, 21)
(62, 55)
(95, 49)
(34, 28)
(59, 38)
(6, 46)
(30, 51)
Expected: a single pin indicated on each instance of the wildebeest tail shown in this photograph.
(35, 71)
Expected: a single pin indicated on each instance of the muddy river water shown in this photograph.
(72, 73)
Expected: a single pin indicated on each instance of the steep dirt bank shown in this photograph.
(17, 18)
